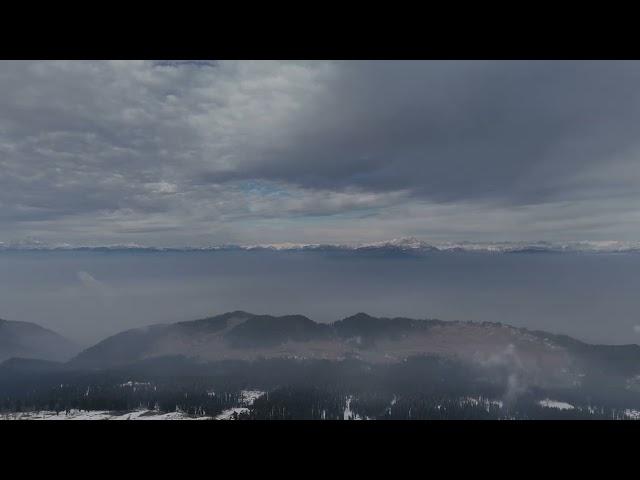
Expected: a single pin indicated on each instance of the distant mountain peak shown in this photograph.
(360, 316)
(410, 243)
(401, 244)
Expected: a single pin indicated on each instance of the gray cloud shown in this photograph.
(513, 131)
(206, 152)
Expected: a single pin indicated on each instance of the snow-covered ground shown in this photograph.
(548, 403)
(228, 414)
(131, 383)
(487, 403)
(348, 413)
(250, 396)
(246, 400)
(99, 415)
(632, 414)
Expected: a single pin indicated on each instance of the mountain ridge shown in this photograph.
(27, 339)
(244, 336)
(404, 245)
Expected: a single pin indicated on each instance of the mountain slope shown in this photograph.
(244, 336)
(535, 358)
(28, 340)
(233, 335)
(188, 338)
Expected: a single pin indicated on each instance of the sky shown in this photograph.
(175, 153)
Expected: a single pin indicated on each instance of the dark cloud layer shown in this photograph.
(514, 131)
(207, 152)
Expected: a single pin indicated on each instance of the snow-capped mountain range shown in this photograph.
(404, 244)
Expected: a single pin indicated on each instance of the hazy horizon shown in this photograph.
(88, 296)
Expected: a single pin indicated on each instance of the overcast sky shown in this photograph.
(196, 153)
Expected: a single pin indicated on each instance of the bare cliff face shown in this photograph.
(28, 340)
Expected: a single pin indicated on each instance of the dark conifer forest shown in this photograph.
(420, 388)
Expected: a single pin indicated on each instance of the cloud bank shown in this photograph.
(176, 153)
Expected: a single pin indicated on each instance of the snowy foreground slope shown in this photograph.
(98, 415)
(247, 399)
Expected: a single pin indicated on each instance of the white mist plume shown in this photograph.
(91, 283)
(510, 360)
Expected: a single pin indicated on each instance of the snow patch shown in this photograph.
(485, 402)
(247, 397)
(348, 413)
(632, 414)
(141, 414)
(548, 403)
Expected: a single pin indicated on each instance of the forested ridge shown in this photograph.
(422, 388)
